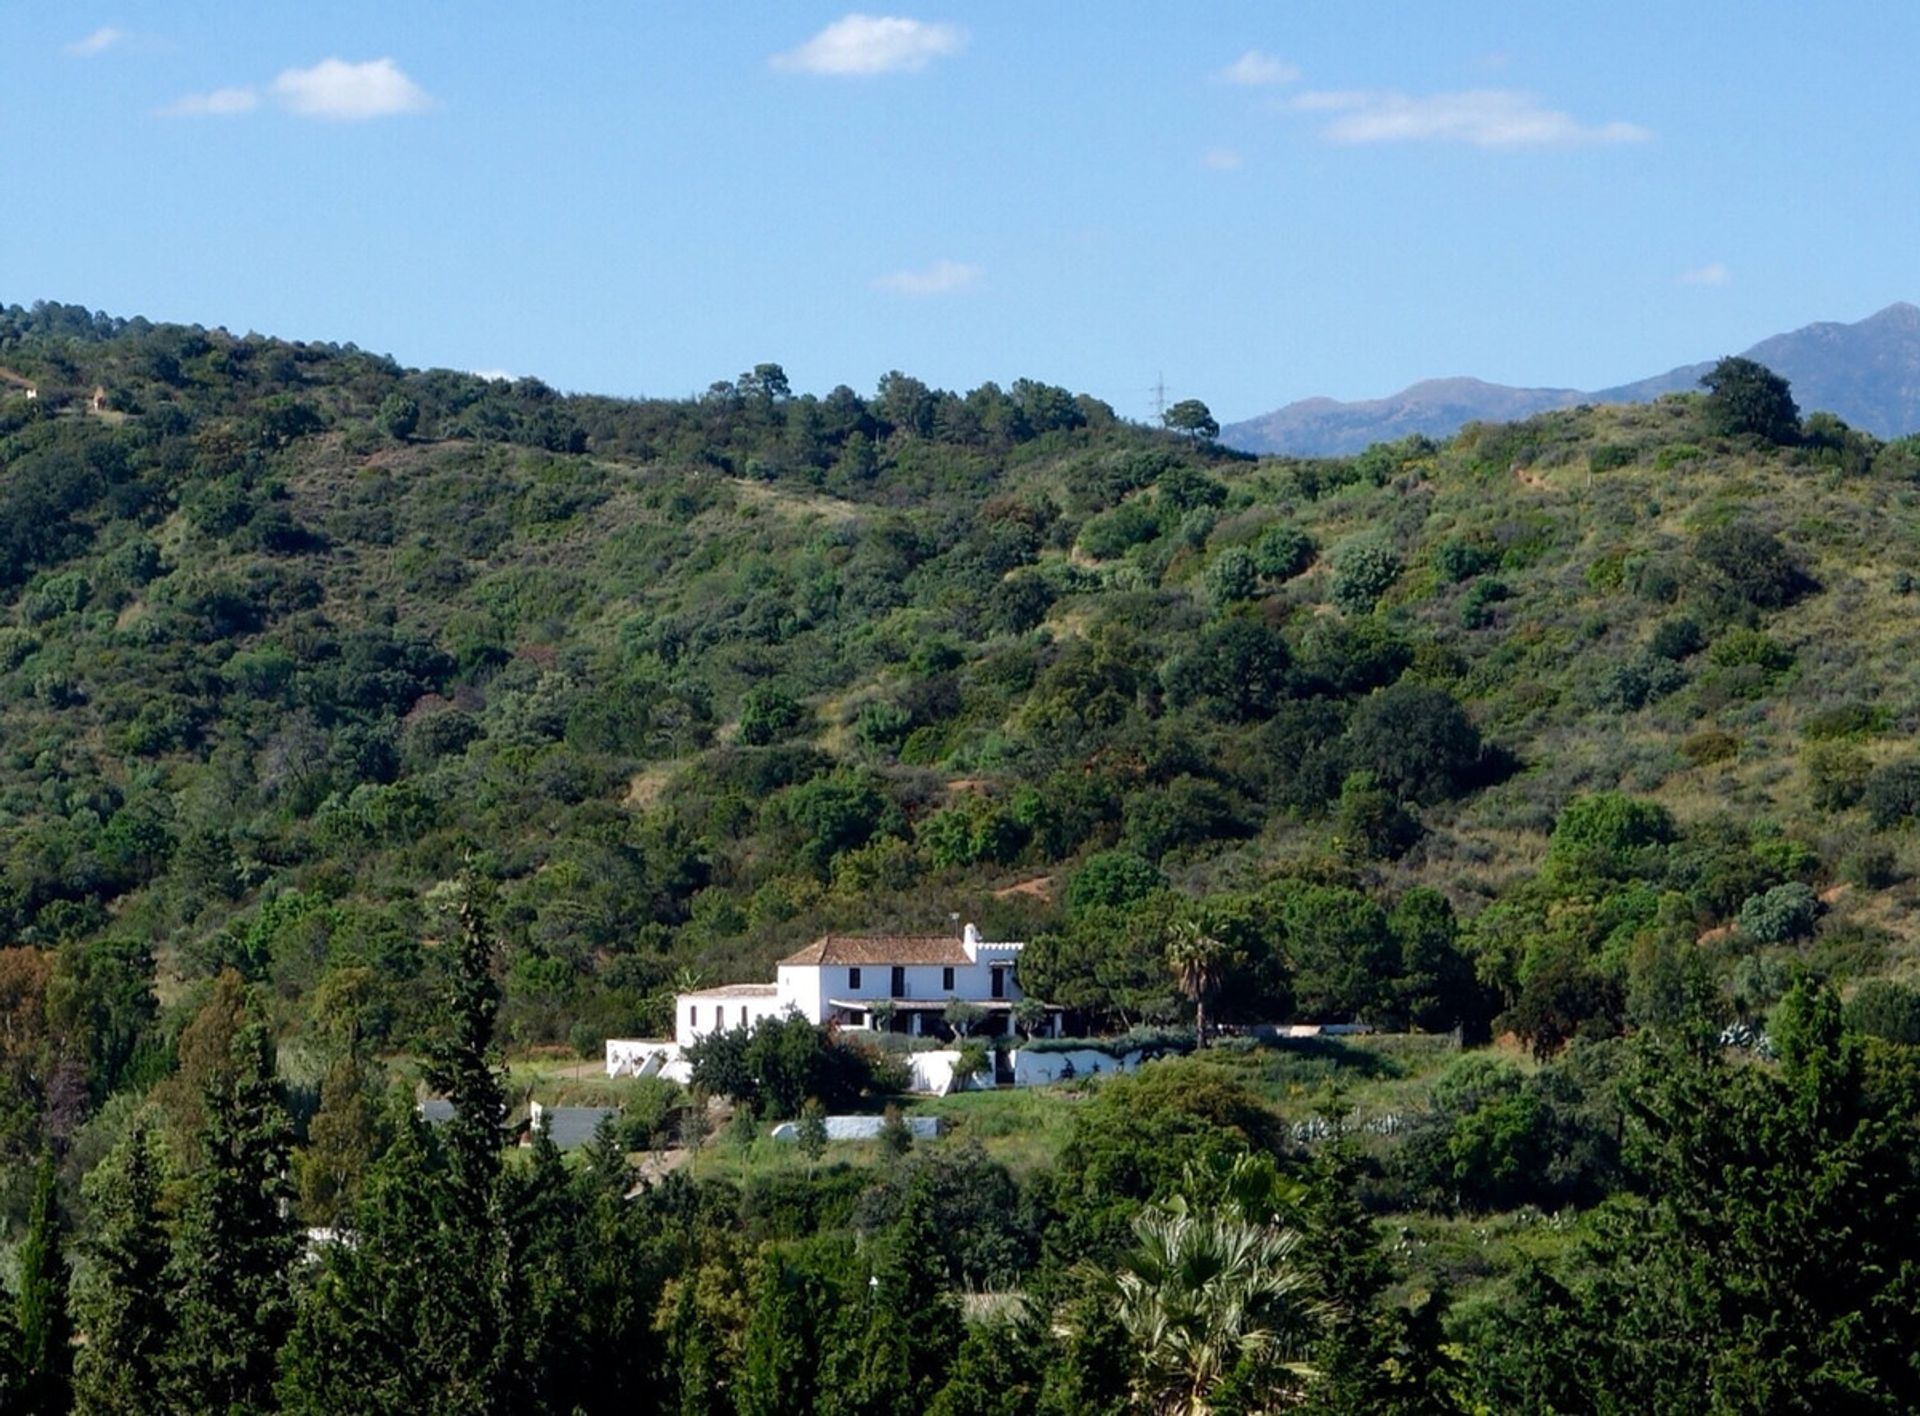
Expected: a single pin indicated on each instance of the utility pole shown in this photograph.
(1159, 392)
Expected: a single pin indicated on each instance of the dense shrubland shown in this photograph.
(1587, 730)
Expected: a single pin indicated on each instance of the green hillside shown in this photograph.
(320, 677)
(291, 631)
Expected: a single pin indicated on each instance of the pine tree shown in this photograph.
(463, 1066)
(779, 1368)
(44, 1340)
(121, 1304)
(341, 1141)
(550, 1361)
(693, 1356)
(1374, 1357)
(412, 1314)
(911, 1324)
(370, 1335)
(230, 1273)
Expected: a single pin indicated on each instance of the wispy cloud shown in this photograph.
(940, 278)
(99, 42)
(333, 89)
(873, 44)
(338, 90)
(1487, 118)
(220, 103)
(1712, 273)
(1255, 69)
(1220, 159)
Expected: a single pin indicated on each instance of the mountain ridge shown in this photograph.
(1867, 372)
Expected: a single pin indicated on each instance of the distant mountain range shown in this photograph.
(1868, 373)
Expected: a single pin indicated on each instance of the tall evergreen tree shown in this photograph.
(371, 1336)
(233, 1256)
(550, 1370)
(1374, 1358)
(618, 1275)
(412, 1315)
(793, 1313)
(1773, 1261)
(121, 1303)
(341, 1140)
(898, 1354)
(463, 1065)
(44, 1340)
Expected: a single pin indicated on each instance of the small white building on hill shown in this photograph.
(898, 983)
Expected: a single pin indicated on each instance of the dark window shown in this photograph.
(999, 981)
(743, 1015)
(693, 1015)
(946, 980)
(899, 982)
(853, 978)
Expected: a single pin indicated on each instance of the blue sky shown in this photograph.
(1260, 201)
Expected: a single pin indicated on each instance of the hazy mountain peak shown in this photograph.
(1867, 372)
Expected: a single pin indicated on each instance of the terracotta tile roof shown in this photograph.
(736, 990)
(882, 949)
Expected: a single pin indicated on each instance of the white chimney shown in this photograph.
(970, 937)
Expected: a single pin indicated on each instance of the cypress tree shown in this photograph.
(121, 1303)
(341, 1141)
(372, 1334)
(547, 1335)
(44, 1340)
(911, 1325)
(1376, 1357)
(412, 1314)
(464, 1067)
(231, 1269)
(779, 1367)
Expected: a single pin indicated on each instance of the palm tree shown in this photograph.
(1209, 1299)
(1197, 960)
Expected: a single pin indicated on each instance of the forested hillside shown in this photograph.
(1581, 729)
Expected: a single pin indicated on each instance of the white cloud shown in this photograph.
(873, 44)
(1488, 118)
(940, 278)
(99, 42)
(1712, 273)
(493, 375)
(335, 89)
(1220, 159)
(1255, 68)
(221, 103)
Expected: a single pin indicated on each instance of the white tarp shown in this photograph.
(861, 1128)
(647, 1057)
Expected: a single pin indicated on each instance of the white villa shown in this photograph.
(899, 983)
